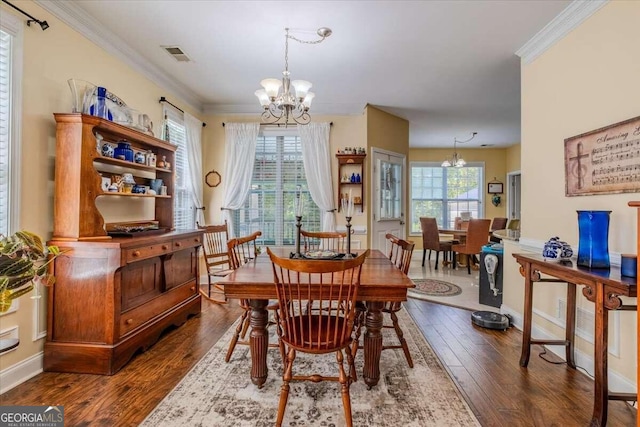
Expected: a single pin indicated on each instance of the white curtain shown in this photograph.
(316, 156)
(193, 133)
(240, 155)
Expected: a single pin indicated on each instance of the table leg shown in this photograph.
(372, 343)
(570, 330)
(601, 335)
(528, 308)
(259, 341)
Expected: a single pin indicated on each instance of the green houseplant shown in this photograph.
(24, 261)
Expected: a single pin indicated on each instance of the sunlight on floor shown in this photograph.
(468, 282)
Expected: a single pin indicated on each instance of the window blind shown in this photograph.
(445, 192)
(184, 213)
(5, 131)
(278, 173)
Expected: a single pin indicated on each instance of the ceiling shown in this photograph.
(449, 67)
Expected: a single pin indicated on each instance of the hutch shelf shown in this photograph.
(348, 165)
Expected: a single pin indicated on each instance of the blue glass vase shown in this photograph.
(593, 246)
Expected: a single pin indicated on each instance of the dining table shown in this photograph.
(380, 282)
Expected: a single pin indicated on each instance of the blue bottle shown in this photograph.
(100, 108)
(353, 177)
(358, 179)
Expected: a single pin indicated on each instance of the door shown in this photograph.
(387, 213)
(513, 195)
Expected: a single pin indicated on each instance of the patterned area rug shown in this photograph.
(434, 288)
(216, 393)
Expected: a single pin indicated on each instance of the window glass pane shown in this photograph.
(184, 213)
(443, 193)
(5, 131)
(269, 208)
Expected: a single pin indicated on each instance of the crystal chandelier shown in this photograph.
(278, 105)
(457, 160)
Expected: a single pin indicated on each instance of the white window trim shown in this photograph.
(15, 26)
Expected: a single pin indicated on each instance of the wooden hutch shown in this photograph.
(113, 296)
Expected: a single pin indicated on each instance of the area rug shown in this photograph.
(433, 288)
(215, 393)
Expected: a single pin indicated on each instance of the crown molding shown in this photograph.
(89, 27)
(571, 17)
(351, 109)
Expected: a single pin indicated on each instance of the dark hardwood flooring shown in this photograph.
(484, 364)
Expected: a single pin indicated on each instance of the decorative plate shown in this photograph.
(322, 255)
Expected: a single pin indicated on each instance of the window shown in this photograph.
(10, 96)
(444, 193)
(184, 212)
(269, 208)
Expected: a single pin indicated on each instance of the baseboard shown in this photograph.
(20, 372)
(617, 382)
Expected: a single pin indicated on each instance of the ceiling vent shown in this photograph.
(177, 53)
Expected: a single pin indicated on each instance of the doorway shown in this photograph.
(387, 196)
(513, 194)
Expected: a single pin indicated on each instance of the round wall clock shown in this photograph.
(213, 179)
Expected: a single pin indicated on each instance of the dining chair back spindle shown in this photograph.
(312, 331)
(324, 241)
(477, 237)
(216, 258)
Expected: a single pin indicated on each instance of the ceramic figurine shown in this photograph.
(556, 249)
(107, 149)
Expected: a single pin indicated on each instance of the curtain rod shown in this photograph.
(276, 124)
(163, 99)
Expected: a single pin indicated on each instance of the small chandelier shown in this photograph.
(278, 105)
(457, 160)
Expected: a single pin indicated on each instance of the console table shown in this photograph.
(603, 288)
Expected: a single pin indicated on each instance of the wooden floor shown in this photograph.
(484, 364)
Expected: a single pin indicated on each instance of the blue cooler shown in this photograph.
(491, 258)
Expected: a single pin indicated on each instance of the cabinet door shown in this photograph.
(141, 281)
(181, 267)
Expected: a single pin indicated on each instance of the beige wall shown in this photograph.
(513, 158)
(50, 59)
(588, 80)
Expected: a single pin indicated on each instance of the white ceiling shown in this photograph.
(449, 67)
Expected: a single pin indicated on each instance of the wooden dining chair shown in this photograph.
(400, 255)
(324, 240)
(216, 258)
(514, 224)
(477, 237)
(433, 241)
(317, 332)
(498, 223)
(241, 251)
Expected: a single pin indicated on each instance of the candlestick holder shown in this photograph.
(297, 254)
(348, 254)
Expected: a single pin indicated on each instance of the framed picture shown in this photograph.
(213, 179)
(603, 161)
(494, 188)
